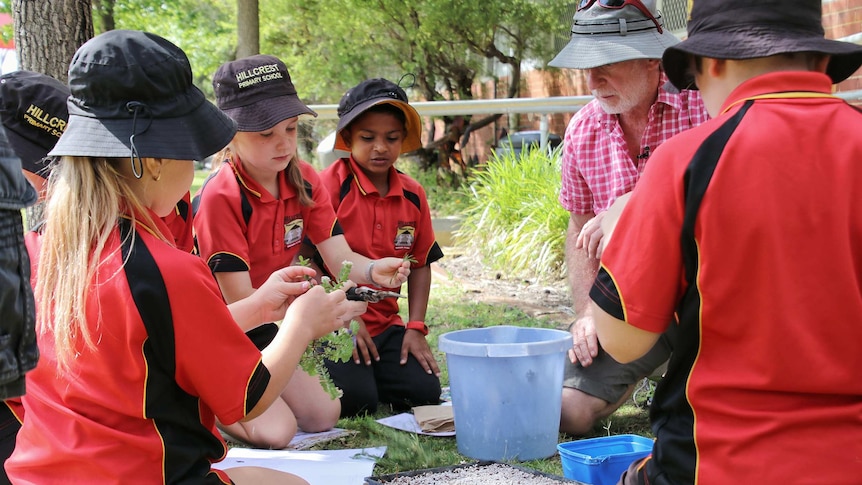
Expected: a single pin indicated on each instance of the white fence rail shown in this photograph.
(542, 106)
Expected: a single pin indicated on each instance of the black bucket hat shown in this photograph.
(131, 86)
(737, 29)
(34, 114)
(257, 92)
(372, 92)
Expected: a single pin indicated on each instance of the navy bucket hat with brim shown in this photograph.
(34, 114)
(257, 92)
(602, 36)
(373, 92)
(130, 86)
(738, 30)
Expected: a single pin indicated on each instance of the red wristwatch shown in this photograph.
(417, 325)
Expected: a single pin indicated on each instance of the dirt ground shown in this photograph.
(539, 299)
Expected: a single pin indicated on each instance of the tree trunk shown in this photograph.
(42, 46)
(247, 28)
(54, 31)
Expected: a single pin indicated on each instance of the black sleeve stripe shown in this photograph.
(227, 263)
(337, 230)
(434, 254)
(256, 386)
(604, 293)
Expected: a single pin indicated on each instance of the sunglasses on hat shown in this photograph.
(615, 4)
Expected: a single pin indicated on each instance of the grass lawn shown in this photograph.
(450, 308)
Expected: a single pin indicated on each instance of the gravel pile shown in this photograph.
(492, 474)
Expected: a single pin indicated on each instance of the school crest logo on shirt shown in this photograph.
(292, 233)
(404, 236)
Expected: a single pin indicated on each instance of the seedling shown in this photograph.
(337, 346)
(407, 257)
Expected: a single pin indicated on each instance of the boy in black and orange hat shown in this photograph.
(384, 212)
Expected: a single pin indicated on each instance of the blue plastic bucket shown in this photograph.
(506, 384)
(601, 461)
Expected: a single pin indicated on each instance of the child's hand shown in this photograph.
(364, 350)
(390, 272)
(415, 343)
(352, 308)
(280, 289)
(318, 312)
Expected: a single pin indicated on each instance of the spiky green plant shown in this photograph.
(515, 219)
(336, 346)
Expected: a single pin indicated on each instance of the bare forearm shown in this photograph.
(581, 270)
(419, 286)
(246, 313)
(336, 251)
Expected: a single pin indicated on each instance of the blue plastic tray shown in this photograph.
(601, 461)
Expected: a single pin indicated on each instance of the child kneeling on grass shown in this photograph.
(133, 333)
(384, 213)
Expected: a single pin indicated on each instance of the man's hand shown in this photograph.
(591, 235)
(585, 343)
(415, 343)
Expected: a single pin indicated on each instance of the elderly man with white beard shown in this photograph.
(618, 44)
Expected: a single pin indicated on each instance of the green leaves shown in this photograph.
(337, 346)
(515, 219)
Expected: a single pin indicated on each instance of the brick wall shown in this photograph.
(843, 18)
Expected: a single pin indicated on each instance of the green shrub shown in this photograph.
(514, 218)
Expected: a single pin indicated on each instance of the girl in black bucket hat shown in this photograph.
(138, 352)
(252, 217)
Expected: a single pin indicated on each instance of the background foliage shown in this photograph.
(514, 218)
(330, 45)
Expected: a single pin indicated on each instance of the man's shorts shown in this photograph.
(607, 379)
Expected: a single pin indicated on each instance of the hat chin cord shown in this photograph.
(135, 107)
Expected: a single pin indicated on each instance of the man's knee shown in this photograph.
(580, 412)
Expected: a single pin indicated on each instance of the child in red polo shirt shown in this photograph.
(34, 114)
(252, 216)
(384, 213)
(134, 336)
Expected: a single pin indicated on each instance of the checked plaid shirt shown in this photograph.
(596, 165)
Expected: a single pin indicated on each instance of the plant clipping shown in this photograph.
(337, 346)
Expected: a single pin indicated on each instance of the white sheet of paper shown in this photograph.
(326, 467)
(407, 422)
(303, 440)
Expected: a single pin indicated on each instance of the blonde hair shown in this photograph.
(86, 198)
(294, 173)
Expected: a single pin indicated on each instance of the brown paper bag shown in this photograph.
(435, 419)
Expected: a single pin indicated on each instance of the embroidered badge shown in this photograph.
(292, 233)
(404, 236)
